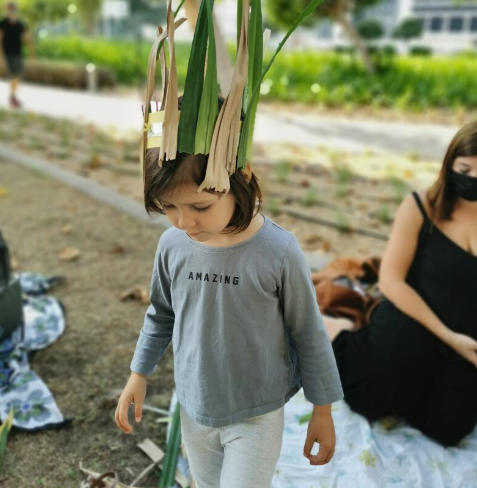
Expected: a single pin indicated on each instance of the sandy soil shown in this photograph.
(92, 358)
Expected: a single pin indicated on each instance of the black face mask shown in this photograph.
(465, 186)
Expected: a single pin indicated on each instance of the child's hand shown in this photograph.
(322, 430)
(134, 392)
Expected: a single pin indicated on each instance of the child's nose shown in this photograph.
(185, 221)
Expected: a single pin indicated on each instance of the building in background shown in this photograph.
(448, 26)
(132, 18)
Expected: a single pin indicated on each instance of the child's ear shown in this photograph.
(247, 172)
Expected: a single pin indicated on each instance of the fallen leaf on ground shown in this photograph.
(326, 246)
(3, 191)
(117, 249)
(69, 254)
(136, 293)
(94, 162)
(312, 238)
(362, 206)
(15, 265)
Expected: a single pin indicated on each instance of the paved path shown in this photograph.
(122, 114)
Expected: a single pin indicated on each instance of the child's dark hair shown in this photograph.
(189, 169)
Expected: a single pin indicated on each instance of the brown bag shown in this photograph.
(340, 289)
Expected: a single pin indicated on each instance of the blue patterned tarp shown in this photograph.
(33, 404)
(385, 454)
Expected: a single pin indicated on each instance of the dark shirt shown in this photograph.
(12, 36)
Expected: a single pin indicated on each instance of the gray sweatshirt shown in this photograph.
(245, 326)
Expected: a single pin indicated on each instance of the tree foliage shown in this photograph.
(371, 29)
(408, 29)
(89, 12)
(282, 12)
(34, 12)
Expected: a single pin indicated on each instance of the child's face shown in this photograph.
(201, 215)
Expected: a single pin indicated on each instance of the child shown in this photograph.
(233, 292)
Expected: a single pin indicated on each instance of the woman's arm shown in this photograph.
(395, 265)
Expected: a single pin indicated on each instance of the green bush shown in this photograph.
(420, 51)
(388, 50)
(126, 59)
(62, 73)
(345, 49)
(324, 78)
(415, 83)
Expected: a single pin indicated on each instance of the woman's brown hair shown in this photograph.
(442, 196)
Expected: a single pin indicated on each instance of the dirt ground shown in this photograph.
(334, 202)
(92, 358)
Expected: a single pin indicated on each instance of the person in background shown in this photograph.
(13, 34)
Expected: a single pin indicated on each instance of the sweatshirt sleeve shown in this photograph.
(156, 332)
(316, 360)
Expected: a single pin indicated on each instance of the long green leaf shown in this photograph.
(239, 19)
(178, 8)
(255, 45)
(4, 429)
(209, 104)
(169, 466)
(194, 84)
(255, 52)
(239, 29)
(247, 134)
(175, 446)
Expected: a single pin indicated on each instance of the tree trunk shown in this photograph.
(341, 18)
(224, 66)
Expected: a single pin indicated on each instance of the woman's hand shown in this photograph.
(321, 429)
(134, 392)
(464, 345)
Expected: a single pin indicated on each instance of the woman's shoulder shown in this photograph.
(423, 197)
(413, 211)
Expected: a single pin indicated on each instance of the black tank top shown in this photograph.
(445, 276)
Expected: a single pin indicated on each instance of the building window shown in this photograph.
(456, 24)
(473, 24)
(436, 24)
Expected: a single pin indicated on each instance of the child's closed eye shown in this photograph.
(200, 210)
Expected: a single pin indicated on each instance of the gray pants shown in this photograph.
(241, 455)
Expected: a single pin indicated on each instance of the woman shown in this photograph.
(418, 356)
